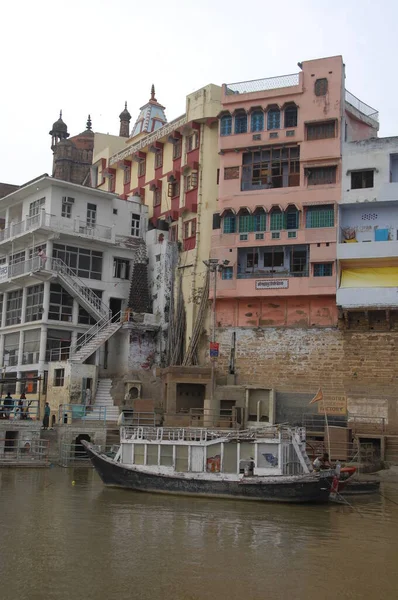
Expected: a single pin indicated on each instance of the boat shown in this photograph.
(270, 464)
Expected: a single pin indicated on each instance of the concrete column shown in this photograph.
(1, 349)
(43, 345)
(46, 301)
(4, 313)
(75, 313)
(23, 310)
(20, 358)
(7, 223)
(49, 253)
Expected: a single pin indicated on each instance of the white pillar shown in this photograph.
(4, 313)
(23, 310)
(75, 313)
(1, 349)
(43, 345)
(46, 301)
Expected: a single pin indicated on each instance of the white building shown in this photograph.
(67, 255)
(367, 248)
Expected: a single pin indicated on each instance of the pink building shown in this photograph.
(280, 143)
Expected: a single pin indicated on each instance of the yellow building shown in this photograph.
(173, 168)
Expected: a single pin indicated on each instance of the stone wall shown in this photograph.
(362, 365)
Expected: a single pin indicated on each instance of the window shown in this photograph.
(299, 260)
(91, 215)
(31, 347)
(321, 87)
(173, 233)
(61, 304)
(321, 175)
(277, 220)
(252, 259)
(173, 189)
(157, 197)
(319, 216)
(83, 316)
(58, 344)
(321, 131)
(121, 268)
(229, 222)
(59, 377)
(114, 211)
(274, 256)
(192, 141)
(35, 207)
(259, 219)
(11, 349)
(11, 385)
(159, 159)
(177, 146)
(17, 258)
(227, 273)
(245, 221)
(14, 307)
(34, 303)
(112, 181)
(142, 167)
(66, 210)
(274, 118)
(85, 263)
(362, 179)
(291, 116)
(257, 120)
(30, 383)
(241, 122)
(323, 269)
(135, 225)
(189, 229)
(127, 175)
(191, 181)
(292, 218)
(226, 125)
(271, 168)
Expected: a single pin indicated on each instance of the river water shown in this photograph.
(63, 536)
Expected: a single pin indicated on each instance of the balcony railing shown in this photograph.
(275, 275)
(259, 85)
(362, 107)
(62, 224)
(29, 410)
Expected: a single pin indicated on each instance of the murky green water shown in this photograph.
(60, 541)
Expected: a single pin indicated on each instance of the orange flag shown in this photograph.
(318, 397)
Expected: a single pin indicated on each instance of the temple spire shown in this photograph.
(153, 99)
(88, 124)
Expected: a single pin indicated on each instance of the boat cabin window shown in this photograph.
(181, 459)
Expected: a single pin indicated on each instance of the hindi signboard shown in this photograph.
(4, 272)
(214, 349)
(272, 284)
(333, 405)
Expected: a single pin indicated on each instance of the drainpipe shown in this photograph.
(198, 215)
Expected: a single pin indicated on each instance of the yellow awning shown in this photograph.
(369, 277)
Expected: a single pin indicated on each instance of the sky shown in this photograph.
(90, 56)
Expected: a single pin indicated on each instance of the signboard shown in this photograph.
(272, 284)
(333, 405)
(4, 272)
(214, 349)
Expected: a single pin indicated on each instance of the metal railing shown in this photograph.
(346, 452)
(74, 455)
(25, 450)
(68, 413)
(224, 418)
(276, 275)
(95, 330)
(362, 107)
(259, 85)
(363, 424)
(29, 410)
(55, 223)
(203, 434)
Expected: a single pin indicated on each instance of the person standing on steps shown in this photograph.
(46, 418)
(87, 399)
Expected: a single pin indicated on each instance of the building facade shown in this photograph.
(72, 156)
(66, 257)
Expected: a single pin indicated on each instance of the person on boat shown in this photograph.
(322, 462)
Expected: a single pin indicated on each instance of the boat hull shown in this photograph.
(294, 489)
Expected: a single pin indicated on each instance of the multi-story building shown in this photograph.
(171, 167)
(275, 233)
(67, 253)
(367, 247)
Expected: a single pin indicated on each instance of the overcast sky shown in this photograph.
(90, 56)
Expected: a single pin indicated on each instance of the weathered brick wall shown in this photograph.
(362, 365)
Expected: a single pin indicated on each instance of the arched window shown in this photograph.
(257, 120)
(241, 122)
(274, 118)
(245, 221)
(291, 116)
(259, 219)
(292, 217)
(226, 125)
(277, 220)
(229, 222)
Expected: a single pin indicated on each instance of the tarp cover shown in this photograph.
(369, 277)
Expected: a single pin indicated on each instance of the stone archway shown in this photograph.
(80, 452)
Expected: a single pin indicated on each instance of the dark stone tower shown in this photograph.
(72, 157)
(125, 119)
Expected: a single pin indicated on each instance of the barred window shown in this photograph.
(14, 307)
(319, 216)
(321, 175)
(323, 269)
(34, 303)
(226, 125)
(321, 131)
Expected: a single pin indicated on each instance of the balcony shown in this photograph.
(361, 107)
(369, 250)
(50, 222)
(365, 297)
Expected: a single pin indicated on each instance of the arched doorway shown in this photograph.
(80, 452)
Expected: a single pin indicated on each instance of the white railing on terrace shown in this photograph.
(362, 107)
(260, 85)
(73, 226)
(203, 434)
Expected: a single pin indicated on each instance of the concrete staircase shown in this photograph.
(103, 398)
